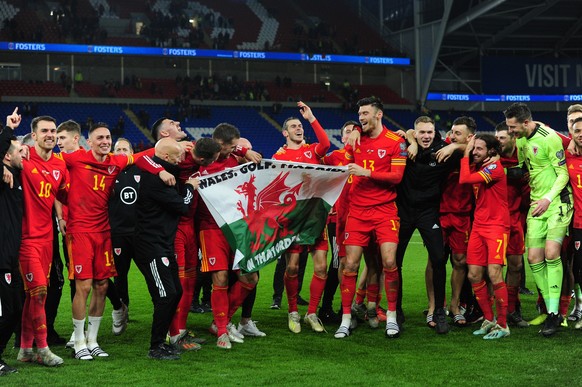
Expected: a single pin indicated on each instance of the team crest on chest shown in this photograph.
(577, 245)
(166, 261)
(8, 278)
(111, 169)
(137, 178)
(381, 153)
(534, 150)
(29, 277)
(117, 250)
(78, 268)
(212, 260)
(308, 154)
(56, 174)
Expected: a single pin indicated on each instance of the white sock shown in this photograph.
(79, 334)
(92, 331)
(390, 316)
(174, 339)
(371, 305)
(346, 320)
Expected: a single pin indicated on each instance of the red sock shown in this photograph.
(315, 291)
(379, 298)
(291, 288)
(26, 333)
(219, 300)
(564, 304)
(348, 291)
(512, 292)
(482, 296)
(372, 292)
(391, 283)
(360, 295)
(237, 295)
(500, 291)
(38, 314)
(181, 314)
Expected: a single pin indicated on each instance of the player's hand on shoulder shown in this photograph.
(167, 178)
(354, 138)
(186, 145)
(253, 156)
(491, 160)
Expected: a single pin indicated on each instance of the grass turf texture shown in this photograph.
(418, 357)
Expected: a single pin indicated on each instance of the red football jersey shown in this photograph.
(340, 157)
(515, 187)
(574, 164)
(385, 156)
(41, 182)
(456, 198)
(490, 188)
(204, 218)
(91, 184)
(305, 154)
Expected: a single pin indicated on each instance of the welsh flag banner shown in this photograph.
(263, 208)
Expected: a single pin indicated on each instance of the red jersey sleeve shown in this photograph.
(485, 175)
(322, 139)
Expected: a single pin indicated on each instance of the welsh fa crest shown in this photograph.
(29, 277)
(117, 250)
(56, 174)
(212, 260)
(8, 278)
(308, 154)
(166, 261)
(78, 268)
(111, 169)
(577, 245)
(381, 153)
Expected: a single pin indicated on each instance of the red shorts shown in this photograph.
(382, 220)
(90, 255)
(516, 244)
(456, 229)
(186, 246)
(321, 243)
(487, 247)
(216, 252)
(35, 257)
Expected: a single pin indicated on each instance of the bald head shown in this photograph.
(244, 143)
(169, 150)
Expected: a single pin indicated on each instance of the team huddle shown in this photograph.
(478, 198)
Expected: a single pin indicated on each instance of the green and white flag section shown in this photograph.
(263, 208)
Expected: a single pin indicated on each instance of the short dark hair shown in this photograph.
(351, 122)
(576, 108)
(69, 126)
(156, 127)
(493, 145)
(284, 127)
(225, 132)
(578, 119)
(36, 120)
(374, 101)
(469, 122)
(98, 125)
(206, 148)
(501, 126)
(519, 111)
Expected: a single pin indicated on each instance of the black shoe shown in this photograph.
(301, 301)
(163, 352)
(206, 307)
(5, 369)
(526, 291)
(328, 316)
(276, 303)
(551, 325)
(473, 315)
(53, 338)
(196, 308)
(400, 319)
(440, 318)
